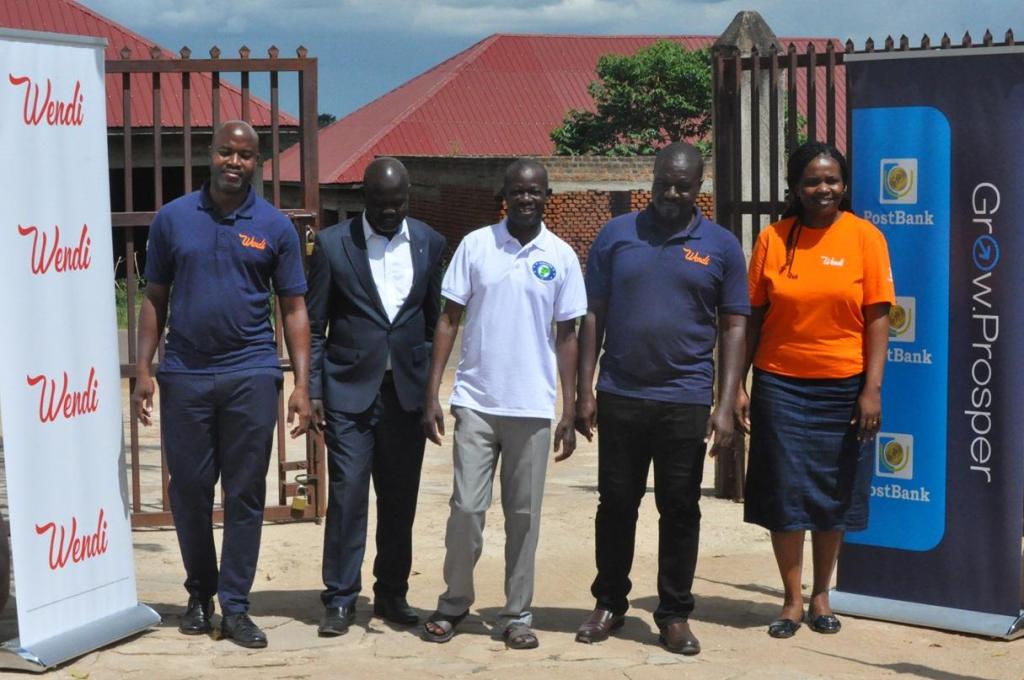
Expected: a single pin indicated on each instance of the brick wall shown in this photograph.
(454, 211)
(458, 194)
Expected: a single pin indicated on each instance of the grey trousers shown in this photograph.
(522, 445)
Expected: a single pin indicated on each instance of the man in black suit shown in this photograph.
(374, 298)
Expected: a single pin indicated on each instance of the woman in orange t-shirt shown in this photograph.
(820, 292)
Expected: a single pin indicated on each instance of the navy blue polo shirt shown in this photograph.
(663, 295)
(222, 271)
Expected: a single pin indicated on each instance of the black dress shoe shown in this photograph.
(679, 639)
(241, 630)
(395, 610)
(196, 619)
(599, 626)
(336, 621)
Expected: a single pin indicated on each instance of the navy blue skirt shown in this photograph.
(806, 469)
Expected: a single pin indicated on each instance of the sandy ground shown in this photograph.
(736, 586)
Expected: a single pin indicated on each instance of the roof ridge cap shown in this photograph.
(475, 51)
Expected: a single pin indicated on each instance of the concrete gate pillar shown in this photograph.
(747, 32)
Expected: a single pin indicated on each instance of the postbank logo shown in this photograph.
(252, 242)
(545, 271)
(903, 320)
(894, 455)
(899, 181)
(692, 255)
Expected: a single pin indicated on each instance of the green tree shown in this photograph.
(643, 101)
(325, 119)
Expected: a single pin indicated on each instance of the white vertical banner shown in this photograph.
(60, 385)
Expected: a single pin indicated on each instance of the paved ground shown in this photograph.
(737, 595)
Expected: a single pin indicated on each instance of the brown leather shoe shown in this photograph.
(599, 626)
(679, 639)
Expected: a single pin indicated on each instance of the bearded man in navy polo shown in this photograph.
(654, 394)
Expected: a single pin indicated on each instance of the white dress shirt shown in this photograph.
(391, 267)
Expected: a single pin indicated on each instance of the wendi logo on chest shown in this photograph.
(250, 241)
(694, 256)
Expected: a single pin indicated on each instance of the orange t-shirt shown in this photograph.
(814, 324)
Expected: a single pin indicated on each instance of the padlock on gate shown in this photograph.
(310, 239)
(299, 500)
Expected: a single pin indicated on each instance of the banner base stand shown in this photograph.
(46, 654)
(930, 616)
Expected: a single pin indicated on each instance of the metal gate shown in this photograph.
(765, 103)
(169, 108)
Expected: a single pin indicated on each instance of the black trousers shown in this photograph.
(219, 426)
(632, 433)
(384, 443)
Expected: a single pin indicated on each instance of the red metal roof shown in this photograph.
(68, 16)
(502, 96)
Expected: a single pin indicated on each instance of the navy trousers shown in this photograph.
(219, 425)
(384, 443)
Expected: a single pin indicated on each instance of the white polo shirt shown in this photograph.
(512, 294)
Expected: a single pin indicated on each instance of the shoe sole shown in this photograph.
(427, 636)
(330, 632)
(824, 631)
(379, 613)
(587, 640)
(195, 631)
(248, 645)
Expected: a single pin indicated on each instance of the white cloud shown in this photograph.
(482, 17)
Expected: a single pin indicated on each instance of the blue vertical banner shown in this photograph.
(901, 183)
(938, 165)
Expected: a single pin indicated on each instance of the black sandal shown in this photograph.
(519, 636)
(445, 622)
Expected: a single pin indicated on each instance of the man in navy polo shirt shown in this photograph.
(658, 282)
(213, 255)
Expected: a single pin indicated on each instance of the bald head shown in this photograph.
(385, 170)
(235, 129)
(678, 174)
(386, 194)
(233, 156)
(680, 153)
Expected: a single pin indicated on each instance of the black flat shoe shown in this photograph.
(827, 624)
(196, 619)
(336, 621)
(395, 610)
(241, 630)
(783, 628)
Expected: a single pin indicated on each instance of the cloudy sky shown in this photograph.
(367, 47)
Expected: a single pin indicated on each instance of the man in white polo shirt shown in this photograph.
(513, 280)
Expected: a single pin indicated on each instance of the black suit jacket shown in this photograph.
(352, 335)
